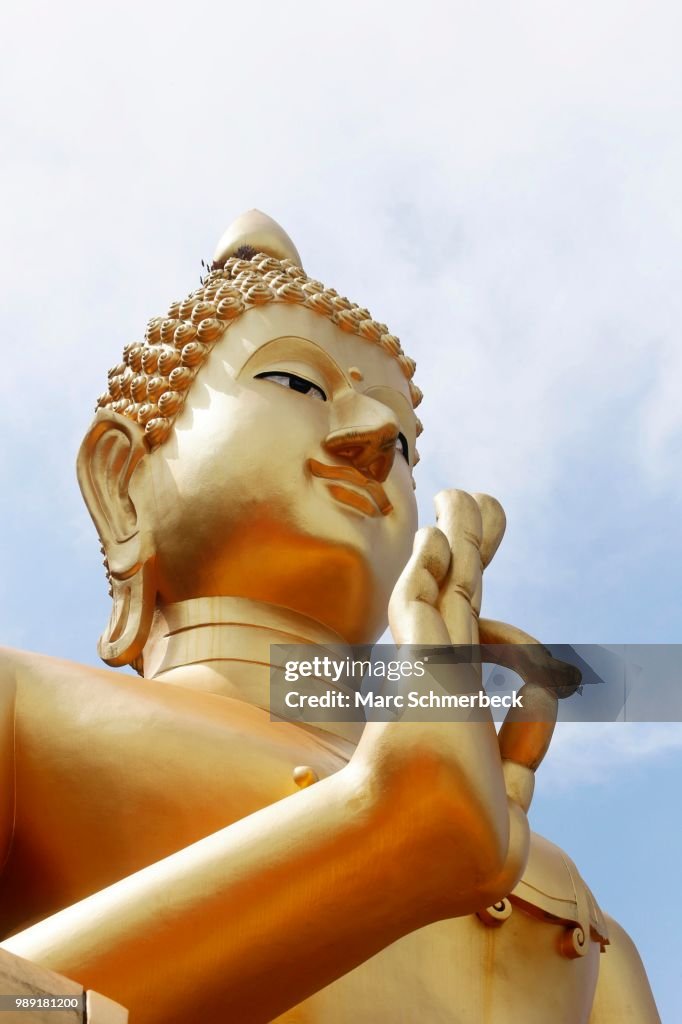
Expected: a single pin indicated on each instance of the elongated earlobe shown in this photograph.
(108, 457)
(126, 633)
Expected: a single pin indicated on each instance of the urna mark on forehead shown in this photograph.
(256, 265)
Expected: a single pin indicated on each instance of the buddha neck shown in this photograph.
(222, 645)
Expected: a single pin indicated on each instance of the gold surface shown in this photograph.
(173, 847)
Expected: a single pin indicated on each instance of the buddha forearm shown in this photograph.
(254, 918)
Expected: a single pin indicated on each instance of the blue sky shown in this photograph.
(499, 183)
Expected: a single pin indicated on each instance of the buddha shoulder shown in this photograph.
(552, 889)
(81, 714)
(25, 675)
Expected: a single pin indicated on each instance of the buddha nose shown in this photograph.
(370, 449)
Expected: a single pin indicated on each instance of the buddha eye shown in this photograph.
(295, 383)
(402, 446)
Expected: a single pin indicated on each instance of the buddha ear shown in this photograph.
(109, 455)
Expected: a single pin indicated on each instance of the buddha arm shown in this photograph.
(623, 993)
(251, 920)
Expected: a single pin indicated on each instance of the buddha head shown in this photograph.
(259, 443)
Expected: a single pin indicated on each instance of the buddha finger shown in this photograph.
(524, 740)
(412, 611)
(493, 524)
(526, 733)
(459, 517)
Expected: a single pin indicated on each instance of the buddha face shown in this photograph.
(287, 477)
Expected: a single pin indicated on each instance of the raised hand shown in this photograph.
(446, 573)
(443, 782)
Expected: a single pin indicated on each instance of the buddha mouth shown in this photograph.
(377, 503)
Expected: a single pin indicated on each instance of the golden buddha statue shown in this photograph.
(170, 845)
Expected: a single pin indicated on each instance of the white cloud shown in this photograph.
(591, 753)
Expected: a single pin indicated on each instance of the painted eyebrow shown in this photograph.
(304, 349)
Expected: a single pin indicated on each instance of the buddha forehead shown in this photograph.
(279, 332)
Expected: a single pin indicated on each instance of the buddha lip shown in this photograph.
(351, 475)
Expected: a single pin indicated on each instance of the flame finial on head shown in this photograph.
(255, 232)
